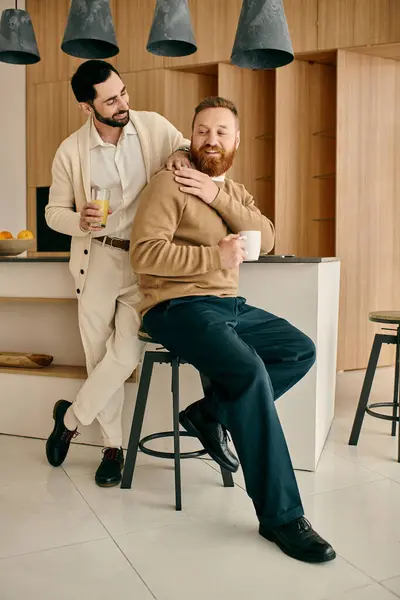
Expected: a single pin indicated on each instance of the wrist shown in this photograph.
(183, 149)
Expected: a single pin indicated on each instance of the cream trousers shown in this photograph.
(109, 325)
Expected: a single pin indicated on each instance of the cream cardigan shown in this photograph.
(70, 188)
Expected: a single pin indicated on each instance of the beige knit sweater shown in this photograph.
(174, 242)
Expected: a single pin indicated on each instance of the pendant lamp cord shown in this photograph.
(16, 4)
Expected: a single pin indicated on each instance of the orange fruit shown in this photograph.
(6, 235)
(25, 234)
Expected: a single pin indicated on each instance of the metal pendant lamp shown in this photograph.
(90, 30)
(171, 33)
(18, 44)
(262, 37)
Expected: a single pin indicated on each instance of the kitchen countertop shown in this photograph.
(270, 258)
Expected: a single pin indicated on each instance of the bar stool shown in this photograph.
(386, 317)
(135, 443)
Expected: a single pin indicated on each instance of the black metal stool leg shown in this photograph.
(396, 389)
(137, 421)
(227, 477)
(177, 452)
(366, 389)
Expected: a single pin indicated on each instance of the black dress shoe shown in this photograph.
(109, 472)
(57, 445)
(298, 540)
(211, 434)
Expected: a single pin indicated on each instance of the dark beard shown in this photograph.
(213, 167)
(111, 122)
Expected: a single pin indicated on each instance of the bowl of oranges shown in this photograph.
(11, 246)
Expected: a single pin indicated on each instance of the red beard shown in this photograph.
(213, 166)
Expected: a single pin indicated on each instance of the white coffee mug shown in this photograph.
(252, 243)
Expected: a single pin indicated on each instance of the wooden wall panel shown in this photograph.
(133, 22)
(161, 91)
(214, 24)
(346, 23)
(368, 209)
(49, 19)
(302, 17)
(146, 90)
(193, 88)
(253, 92)
(47, 127)
(305, 159)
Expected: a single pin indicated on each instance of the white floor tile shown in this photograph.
(371, 592)
(194, 560)
(361, 523)
(38, 516)
(23, 460)
(151, 501)
(90, 571)
(333, 473)
(393, 585)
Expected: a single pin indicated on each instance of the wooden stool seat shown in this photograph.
(385, 316)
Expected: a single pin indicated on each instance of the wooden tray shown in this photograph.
(24, 361)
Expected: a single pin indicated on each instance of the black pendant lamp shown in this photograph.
(171, 33)
(17, 38)
(262, 37)
(90, 30)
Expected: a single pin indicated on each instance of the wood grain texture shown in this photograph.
(346, 23)
(253, 92)
(162, 90)
(49, 18)
(62, 371)
(302, 17)
(368, 211)
(47, 128)
(214, 24)
(19, 360)
(31, 216)
(305, 159)
(133, 23)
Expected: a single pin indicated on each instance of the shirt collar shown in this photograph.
(95, 139)
(218, 178)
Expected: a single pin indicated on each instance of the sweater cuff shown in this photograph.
(221, 200)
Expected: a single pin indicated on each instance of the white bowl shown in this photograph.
(15, 247)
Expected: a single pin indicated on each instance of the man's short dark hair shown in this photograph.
(215, 102)
(89, 74)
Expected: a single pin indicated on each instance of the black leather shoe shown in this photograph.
(299, 540)
(109, 472)
(211, 434)
(57, 445)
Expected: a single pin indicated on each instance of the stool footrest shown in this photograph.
(165, 434)
(377, 415)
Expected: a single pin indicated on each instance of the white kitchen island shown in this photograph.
(39, 314)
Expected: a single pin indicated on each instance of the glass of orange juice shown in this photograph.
(101, 198)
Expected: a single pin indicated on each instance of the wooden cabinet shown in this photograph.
(347, 23)
(133, 22)
(305, 159)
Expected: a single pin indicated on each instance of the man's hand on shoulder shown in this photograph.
(196, 183)
(178, 160)
(232, 251)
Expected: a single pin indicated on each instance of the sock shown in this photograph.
(70, 420)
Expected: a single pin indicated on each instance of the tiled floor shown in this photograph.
(63, 537)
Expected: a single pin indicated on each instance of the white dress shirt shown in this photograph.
(120, 169)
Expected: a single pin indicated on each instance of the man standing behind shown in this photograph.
(118, 150)
(186, 250)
